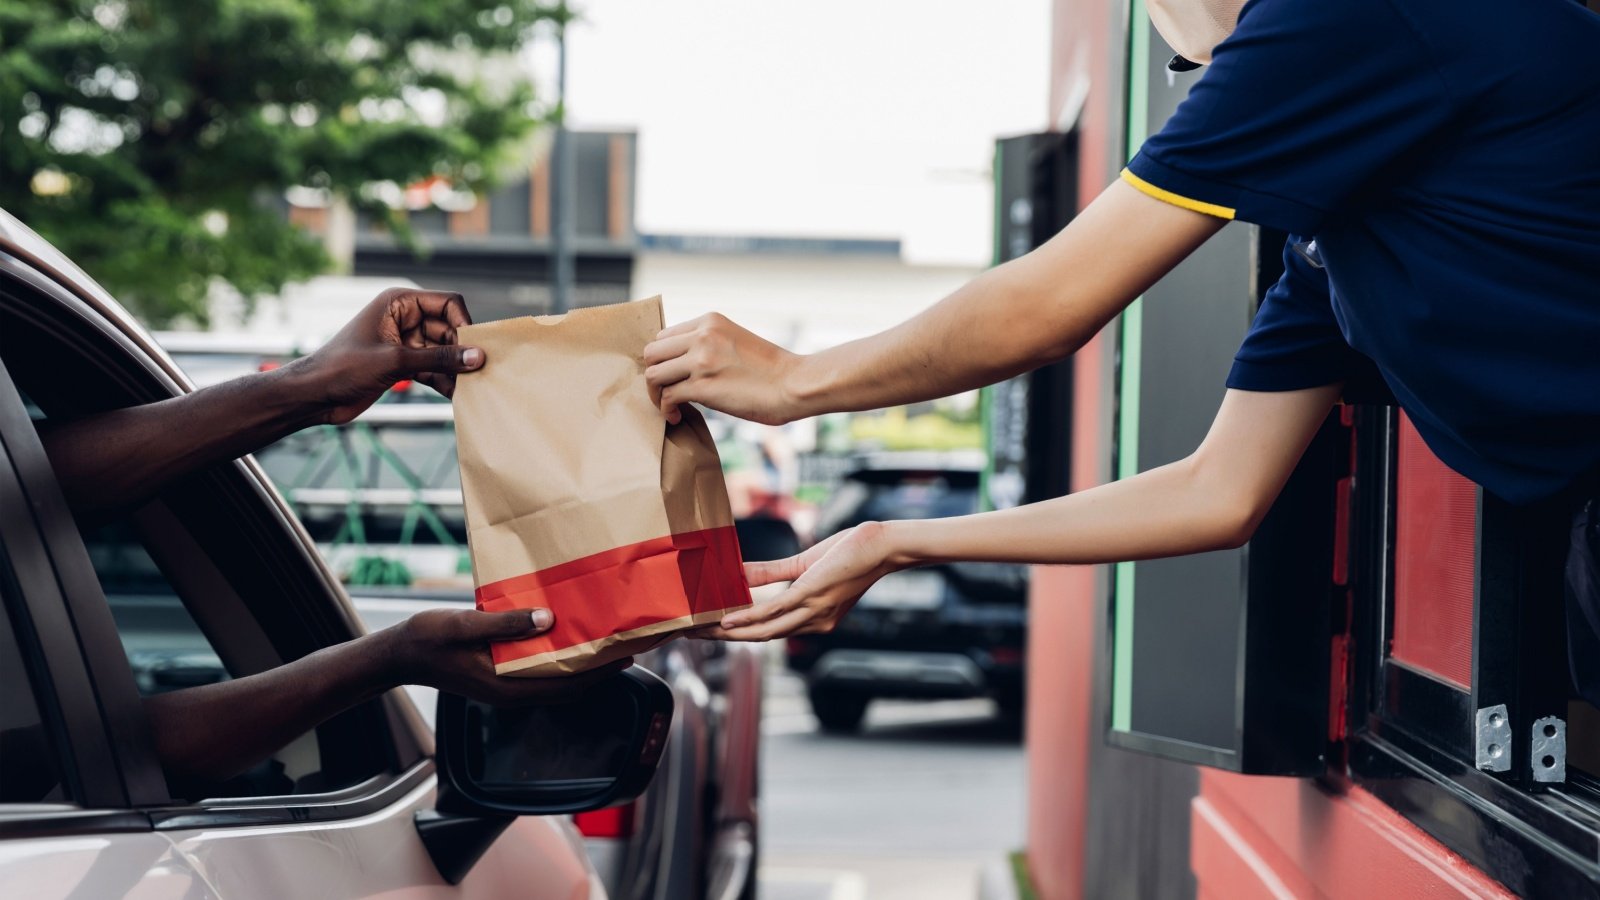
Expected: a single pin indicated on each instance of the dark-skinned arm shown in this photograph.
(212, 733)
(114, 461)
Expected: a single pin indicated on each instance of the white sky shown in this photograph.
(827, 118)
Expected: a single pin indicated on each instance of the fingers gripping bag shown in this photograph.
(580, 497)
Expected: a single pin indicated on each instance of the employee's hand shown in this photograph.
(827, 579)
(448, 649)
(714, 362)
(402, 334)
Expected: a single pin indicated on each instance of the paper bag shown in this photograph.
(579, 496)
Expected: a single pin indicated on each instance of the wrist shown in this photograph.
(904, 543)
(299, 393)
(388, 653)
(803, 384)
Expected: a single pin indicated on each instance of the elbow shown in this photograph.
(1232, 510)
(1235, 529)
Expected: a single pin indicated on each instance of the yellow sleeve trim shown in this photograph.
(1166, 196)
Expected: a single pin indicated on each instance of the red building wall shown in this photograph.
(1085, 91)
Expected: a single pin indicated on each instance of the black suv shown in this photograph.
(957, 630)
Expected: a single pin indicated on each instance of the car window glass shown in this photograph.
(167, 650)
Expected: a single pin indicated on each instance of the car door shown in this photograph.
(213, 579)
(67, 826)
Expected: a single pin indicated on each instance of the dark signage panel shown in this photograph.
(1028, 418)
(1219, 658)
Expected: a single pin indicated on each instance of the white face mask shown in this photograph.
(1194, 27)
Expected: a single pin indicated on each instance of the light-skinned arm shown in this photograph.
(1211, 500)
(1013, 318)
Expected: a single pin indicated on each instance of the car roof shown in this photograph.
(24, 244)
(921, 460)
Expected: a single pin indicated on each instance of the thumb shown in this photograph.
(443, 359)
(760, 573)
(513, 624)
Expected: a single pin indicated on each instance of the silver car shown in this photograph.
(213, 579)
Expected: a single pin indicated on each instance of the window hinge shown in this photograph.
(1494, 739)
(1549, 754)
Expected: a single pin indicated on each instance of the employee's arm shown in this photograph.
(1013, 318)
(115, 460)
(211, 733)
(1211, 500)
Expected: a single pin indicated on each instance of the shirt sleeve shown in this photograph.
(1295, 341)
(1306, 105)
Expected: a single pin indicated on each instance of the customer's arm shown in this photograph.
(214, 732)
(1014, 318)
(115, 460)
(1211, 500)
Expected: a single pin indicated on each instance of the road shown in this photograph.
(911, 809)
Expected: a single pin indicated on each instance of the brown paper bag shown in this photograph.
(580, 498)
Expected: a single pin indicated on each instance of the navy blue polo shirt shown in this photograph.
(1444, 155)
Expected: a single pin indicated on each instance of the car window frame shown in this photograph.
(331, 619)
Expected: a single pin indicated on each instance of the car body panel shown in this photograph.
(381, 855)
(146, 866)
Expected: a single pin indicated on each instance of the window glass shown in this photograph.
(168, 651)
(165, 646)
(1435, 556)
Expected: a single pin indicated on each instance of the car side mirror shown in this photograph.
(598, 749)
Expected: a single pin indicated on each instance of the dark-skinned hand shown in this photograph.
(448, 649)
(404, 333)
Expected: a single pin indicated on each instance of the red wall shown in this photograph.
(1287, 837)
(1061, 632)
(1061, 642)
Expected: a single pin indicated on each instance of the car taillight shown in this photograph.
(400, 387)
(797, 646)
(1006, 656)
(612, 822)
(268, 365)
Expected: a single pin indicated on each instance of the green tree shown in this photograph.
(152, 140)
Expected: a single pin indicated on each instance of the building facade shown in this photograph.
(1316, 714)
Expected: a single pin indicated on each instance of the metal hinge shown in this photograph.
(1549, 754)
(1494, 739)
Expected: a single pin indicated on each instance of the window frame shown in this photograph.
(1411, 737)
(76, 615)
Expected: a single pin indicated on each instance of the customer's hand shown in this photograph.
(404, 333)
(448, 649)
(827, 579)
(712, 361)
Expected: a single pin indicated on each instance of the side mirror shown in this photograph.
(599, 749)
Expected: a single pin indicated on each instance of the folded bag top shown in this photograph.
(580, 498)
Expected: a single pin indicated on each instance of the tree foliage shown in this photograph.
(152, 140)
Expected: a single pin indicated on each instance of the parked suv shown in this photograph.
(956, 630)
(215, 579)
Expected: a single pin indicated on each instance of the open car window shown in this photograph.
(208, 581)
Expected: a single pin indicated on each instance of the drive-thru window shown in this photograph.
(1393, 636)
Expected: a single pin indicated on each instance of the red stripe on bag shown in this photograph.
(623, 589)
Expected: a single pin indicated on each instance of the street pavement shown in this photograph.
(910, 809)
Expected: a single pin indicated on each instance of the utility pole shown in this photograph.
(561, 187)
